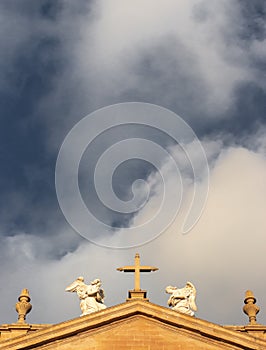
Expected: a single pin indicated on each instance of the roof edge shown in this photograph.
(129, 309)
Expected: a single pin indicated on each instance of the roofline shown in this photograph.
(129, 309)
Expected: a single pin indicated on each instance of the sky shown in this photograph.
(149, 83)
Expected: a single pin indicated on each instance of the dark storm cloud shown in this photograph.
(254, 13)
(29, 63)
(49, 87)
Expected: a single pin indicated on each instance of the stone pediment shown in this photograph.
(136, 324)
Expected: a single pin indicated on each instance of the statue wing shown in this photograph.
(74, 285)
(170, 289)
(192, 296)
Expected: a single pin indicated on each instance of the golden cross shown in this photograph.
(137, 268)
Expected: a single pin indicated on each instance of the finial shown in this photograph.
(23, 306)
(250, 308)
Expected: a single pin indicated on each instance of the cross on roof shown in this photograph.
(137, 268)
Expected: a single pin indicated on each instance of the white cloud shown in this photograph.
(191, 48)
(223, 254)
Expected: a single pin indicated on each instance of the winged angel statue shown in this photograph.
(91, 296)
(183, 299)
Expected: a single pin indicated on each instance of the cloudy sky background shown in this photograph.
(205, 61)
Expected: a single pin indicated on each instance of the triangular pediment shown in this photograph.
(139, 324)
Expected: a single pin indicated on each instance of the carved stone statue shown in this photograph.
(183, 299)
(91, 296)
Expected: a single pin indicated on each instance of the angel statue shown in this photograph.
(183, 299)
(91, 296)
